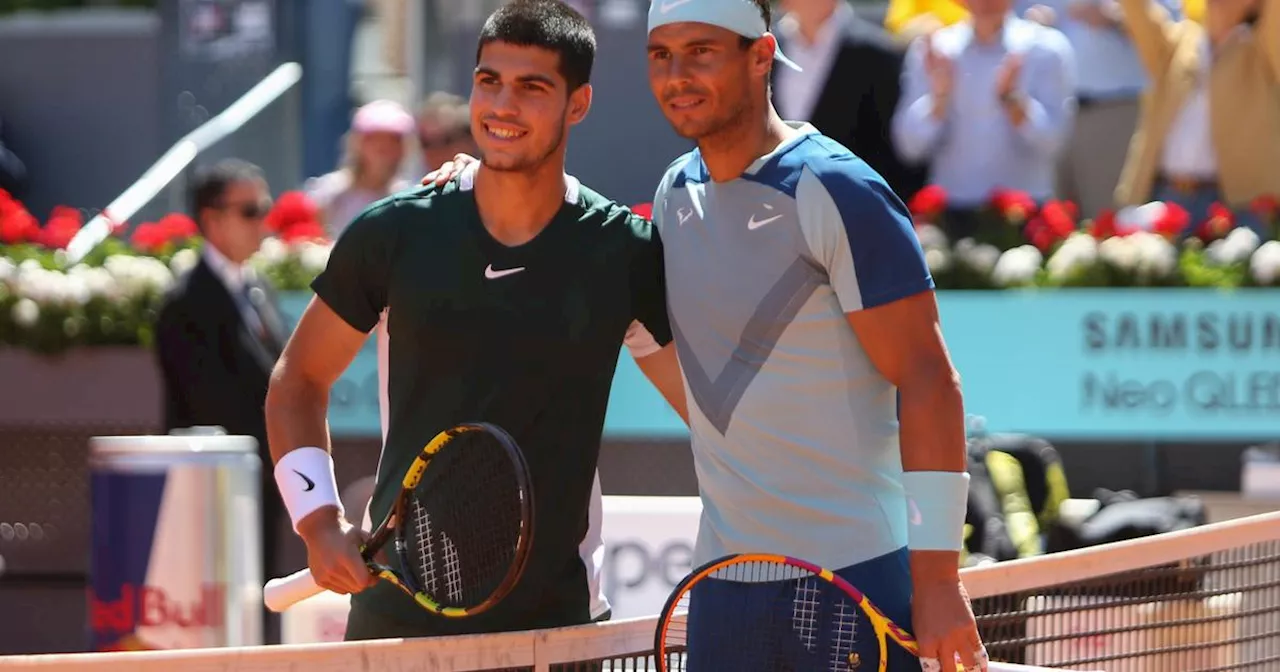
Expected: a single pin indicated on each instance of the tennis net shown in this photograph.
(1200, 600)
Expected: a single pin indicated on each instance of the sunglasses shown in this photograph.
(249, 210)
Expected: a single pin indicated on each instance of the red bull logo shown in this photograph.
(150, 606)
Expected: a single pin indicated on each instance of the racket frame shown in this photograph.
(884, 627)
(392, 527)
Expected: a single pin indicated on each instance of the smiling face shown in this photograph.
(704, 77)
(521, 108)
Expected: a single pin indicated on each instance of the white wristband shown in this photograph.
(306, 481)
(937, 502)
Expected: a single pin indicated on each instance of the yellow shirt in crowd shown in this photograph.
(901, 13)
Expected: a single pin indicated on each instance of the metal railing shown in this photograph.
(170, 170)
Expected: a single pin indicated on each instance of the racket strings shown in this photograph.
(469, 511)
(780, 617)
(430, 580)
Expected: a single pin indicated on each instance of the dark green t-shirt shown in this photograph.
(524, 337)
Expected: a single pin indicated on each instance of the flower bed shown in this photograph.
(1016, 244)
(110, 297)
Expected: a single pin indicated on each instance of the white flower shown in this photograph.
(314, 256)
(98, 282)
(272, 251)
(1156, 256)
(139, 275)
(50, 287)
(1265, 264)
(1017, 266)
(980, 257)
(931, 237)
(939, 259)
(26, 313)
(1142, 217)
(183, 260)
(1236, 248)
(8, 270)
(1119, 251)
(1079, 250)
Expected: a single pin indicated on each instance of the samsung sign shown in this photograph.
(1108, 363)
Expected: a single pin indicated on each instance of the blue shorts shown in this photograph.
(761, 627)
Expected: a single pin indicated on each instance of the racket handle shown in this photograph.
(282, 593)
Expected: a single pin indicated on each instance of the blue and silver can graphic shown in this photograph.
(176, 560)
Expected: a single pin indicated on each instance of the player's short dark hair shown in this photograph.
(210, 183)
(545, 24)
(766, 13)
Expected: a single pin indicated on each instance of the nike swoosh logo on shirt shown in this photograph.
(752, 224)
(493, 275)
(311, 485)
(672, 4)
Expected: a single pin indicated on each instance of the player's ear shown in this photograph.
(762, 53)
(579, 104)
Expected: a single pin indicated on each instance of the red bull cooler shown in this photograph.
(176, 560)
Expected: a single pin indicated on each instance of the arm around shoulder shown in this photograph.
(650, 338)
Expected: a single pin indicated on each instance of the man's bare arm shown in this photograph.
(904, 341)
(662, 368)
(322, 346)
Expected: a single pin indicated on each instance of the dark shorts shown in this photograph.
(761, 627)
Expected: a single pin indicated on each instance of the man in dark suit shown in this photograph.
(850, 84)
(13, 175)
(219, 334)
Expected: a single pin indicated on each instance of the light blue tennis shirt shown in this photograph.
(795, 433)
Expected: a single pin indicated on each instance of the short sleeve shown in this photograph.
(355, 280)
(861, 233)
(648, 293)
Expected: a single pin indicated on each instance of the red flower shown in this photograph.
(303, 231)
(1220, 222)
(1104, 225)
(177, 226)
(1054, 222)
(1266, 206)
(149, 237)
(929, 202)
(1015, 207)
(18, 226)
(63, 225)
(644, 210)
(1172, 222)
(291, 208)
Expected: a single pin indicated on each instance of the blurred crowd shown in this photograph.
(1103, 103)
(1100, 103)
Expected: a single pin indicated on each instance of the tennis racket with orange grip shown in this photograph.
(771, 613)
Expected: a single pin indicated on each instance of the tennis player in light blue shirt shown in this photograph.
(806, 326)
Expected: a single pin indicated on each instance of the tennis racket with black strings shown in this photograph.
(461, 527)
(804, 618)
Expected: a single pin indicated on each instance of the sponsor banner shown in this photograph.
(1069, 364)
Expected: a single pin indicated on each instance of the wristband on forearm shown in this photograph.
(936, 505)
(306, 481)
